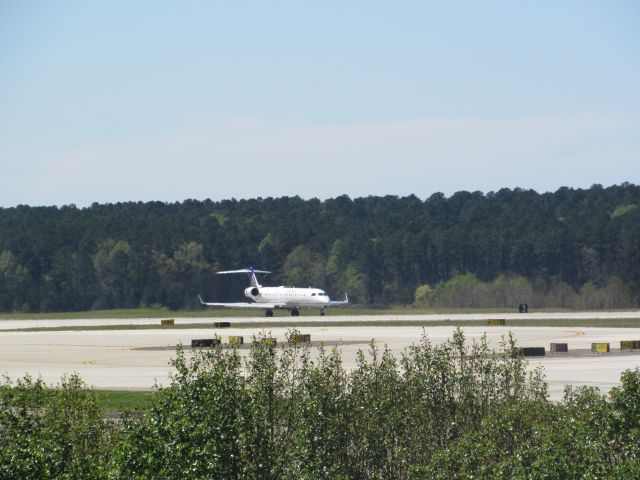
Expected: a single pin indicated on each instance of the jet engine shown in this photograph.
(251, 292)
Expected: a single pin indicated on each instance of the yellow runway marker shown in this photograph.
(89, 362)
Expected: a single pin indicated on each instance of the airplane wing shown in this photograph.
(339, 302)
(241, 304)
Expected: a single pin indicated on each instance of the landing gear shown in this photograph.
(268, 313)
(322, 312)
(295, 312)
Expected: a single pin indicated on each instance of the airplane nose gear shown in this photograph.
(322, 312)
(268, 313)
(295, 312)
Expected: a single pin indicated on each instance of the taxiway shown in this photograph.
(140, 359)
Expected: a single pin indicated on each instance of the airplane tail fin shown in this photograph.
(253, 281)
(251, 273)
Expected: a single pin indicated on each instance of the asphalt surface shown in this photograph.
(15, 324)
(138, 359)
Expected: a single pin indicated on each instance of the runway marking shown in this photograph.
(581, 382)
(579, 333)
(89, 362)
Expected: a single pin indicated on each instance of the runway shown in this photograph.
(90, 322)
(138, 359)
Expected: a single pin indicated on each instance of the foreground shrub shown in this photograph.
(447, 411)
(51, 433)
(284, 415)
(586, 436)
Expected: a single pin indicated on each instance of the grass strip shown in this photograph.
(557, 322)
(108, 401)
(234, 313)
(123, 400)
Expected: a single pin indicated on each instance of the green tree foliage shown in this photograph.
(462, 290)
(623, 209)
(585, 436)
(182, 274)
(448, 411)
(267, 251)
(510, 291)
(114, 266)
(14, 283)
(379, 249)
(423, 295)
(193, 428)
(286, 415)
(51, 433)
(71, 282)
(354, 281)
(303, 268)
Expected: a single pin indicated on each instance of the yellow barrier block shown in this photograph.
(627, 344)
(269, 341)
(600, 347)
(301, 338)
(236, 340)
(168, 321)
(496, 321)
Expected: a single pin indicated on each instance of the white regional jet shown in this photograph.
(281, 298)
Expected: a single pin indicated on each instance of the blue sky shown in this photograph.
(115, 101)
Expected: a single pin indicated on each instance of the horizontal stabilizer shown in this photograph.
(340, 302)
(243, 270)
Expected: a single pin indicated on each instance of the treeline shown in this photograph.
(438, 412)
(379, 249)
(507, 291)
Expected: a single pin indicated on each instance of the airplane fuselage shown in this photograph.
(289, 296)
(275, 298)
